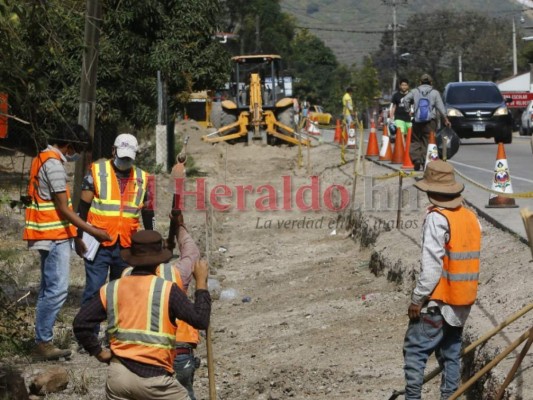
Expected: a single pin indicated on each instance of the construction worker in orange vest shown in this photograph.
(142, 311)
(115, 195)
(180, 272)
(447, 284)
(50, 226)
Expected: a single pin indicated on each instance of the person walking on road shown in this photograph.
(447, 284)
(141, 311)
(398, 114)
(50, 226)
(115, 194)
(426, 102)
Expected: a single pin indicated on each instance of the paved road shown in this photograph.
(476, 159)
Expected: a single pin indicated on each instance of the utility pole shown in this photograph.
(394, 46)
(460, 67)
(393, 4)
(515, 68)
(86, 114)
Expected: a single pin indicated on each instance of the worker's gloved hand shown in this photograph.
(200, 273)
(80, 247)
(414, 311)
(104, 356)
(176, 217)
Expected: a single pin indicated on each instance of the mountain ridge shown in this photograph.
(353, 28)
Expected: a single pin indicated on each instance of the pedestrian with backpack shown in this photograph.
(426, 102)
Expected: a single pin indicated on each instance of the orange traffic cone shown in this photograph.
(372, 150)
(397, 156)
(433, 152)
(338, 132)
(385, 154)
(501, 182)
(407, 163)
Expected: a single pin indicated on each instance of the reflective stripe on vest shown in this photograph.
(168, 273)
(185, 333)
(43, 221)
(116, 211)
(138, 322)
(460, 265)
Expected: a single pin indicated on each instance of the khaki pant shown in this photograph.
(122, 384)
(420, 139)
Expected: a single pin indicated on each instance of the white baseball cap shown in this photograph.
(126, 145)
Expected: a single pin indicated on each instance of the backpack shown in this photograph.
(423, 110)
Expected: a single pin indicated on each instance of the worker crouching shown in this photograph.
(141, 311)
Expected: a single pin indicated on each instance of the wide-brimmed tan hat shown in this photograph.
(146, 250)
(440, 184)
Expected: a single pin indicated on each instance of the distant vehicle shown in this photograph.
(478, 109)
(526, 125)
(322, 117)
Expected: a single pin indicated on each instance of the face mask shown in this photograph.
(72, 157)
(123, 164)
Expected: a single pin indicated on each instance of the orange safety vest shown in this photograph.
(115, 212)
(185, 333)
(139, 325)
(43, 221)
(460, 270)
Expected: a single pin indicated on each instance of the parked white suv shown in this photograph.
(526, 126)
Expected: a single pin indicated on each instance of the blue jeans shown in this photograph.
(55, 268)
(185, 365)
(107, 260)
(431, 333)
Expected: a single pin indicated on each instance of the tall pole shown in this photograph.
(515, 68)
(86, 114)
(460, 67)
(394, 46)
(393, 4)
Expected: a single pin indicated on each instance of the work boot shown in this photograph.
(46, 351)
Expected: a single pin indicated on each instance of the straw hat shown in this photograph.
(146, 250)
(440, 184)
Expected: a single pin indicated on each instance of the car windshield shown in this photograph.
(473, 94)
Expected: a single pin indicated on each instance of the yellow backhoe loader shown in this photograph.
(258, 107)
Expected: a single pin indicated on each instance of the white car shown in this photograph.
(526, 126)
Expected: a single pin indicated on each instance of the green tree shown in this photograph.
(315, 67)
(261, 25)
(366, 85)
(433, 42)
(42, 47)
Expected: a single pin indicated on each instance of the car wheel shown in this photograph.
(522, 131)
(528, 131)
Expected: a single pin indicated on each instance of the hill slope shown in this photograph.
(353, 28)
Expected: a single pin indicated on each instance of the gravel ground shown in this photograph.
(306, 308)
